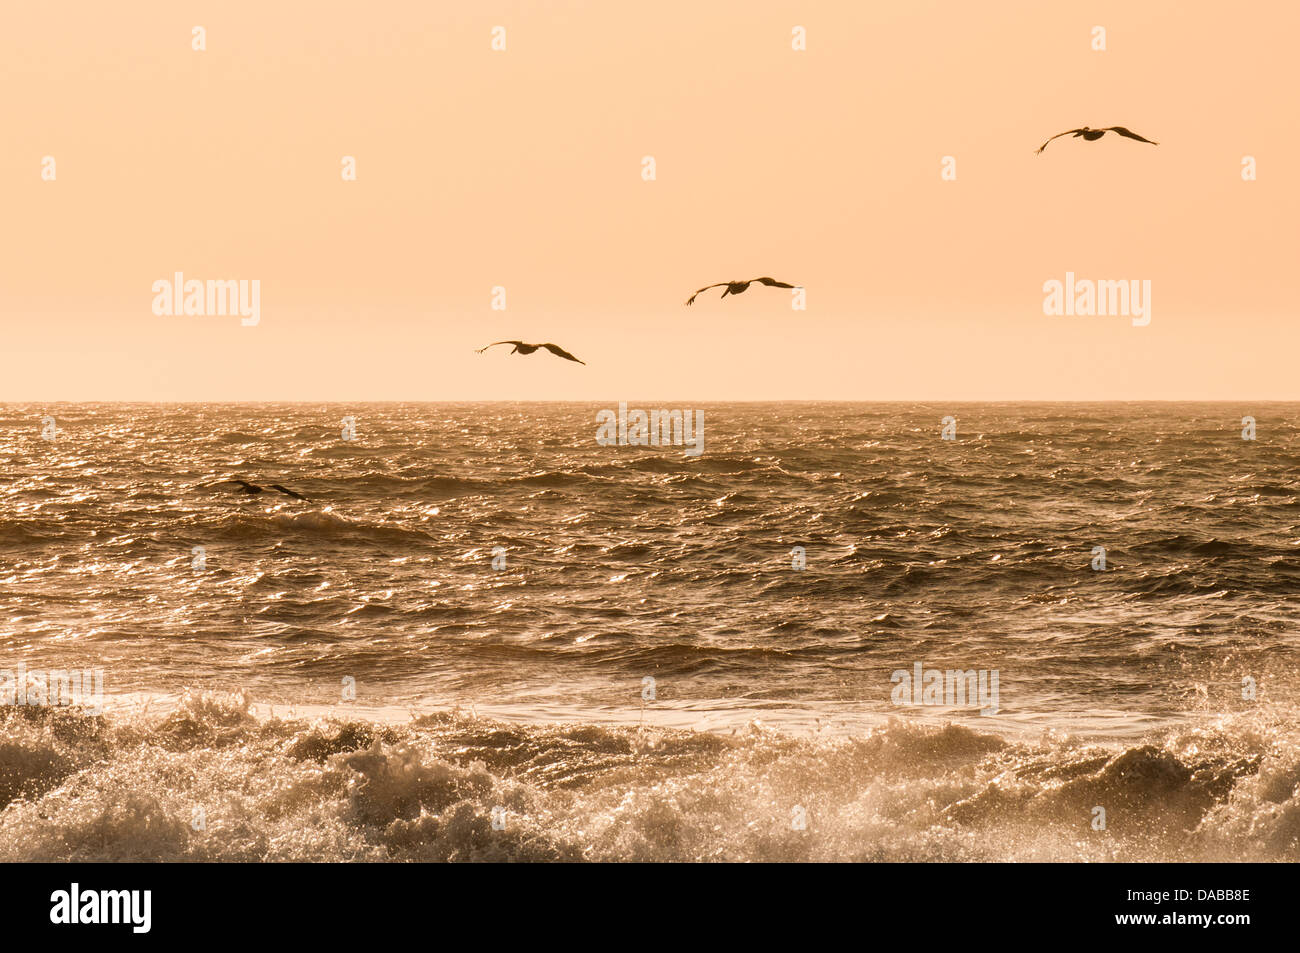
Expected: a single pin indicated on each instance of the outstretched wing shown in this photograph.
(287, 492)
(561, 352)
(1130, 134)
(692, 298)
(495, 343)
(773, 283)
(243, 484)
(1068, 132)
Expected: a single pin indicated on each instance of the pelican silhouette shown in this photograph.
(738, 287)
(523, 348)
(1094, 134)
(252, 488)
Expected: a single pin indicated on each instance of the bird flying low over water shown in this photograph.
(737, 287)
(522, 348)
(252, 488)
(1093, 134)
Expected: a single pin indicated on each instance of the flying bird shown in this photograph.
(522, 348)
(737, 287)
(252, 488)
(1094, 134)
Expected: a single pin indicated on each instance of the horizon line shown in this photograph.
(629, 401)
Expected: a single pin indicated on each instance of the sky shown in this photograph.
(522, 168)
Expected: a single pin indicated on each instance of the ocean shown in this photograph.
(486, 635)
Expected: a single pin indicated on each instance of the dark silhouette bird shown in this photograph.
(523, 348)
(1094, 134)
(252, 488)
(738, 287)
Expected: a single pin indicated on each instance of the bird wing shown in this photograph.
(1057, 136)
(705, 288)
(495, 343)
(287, 492)
(773, 283)
(1130, 134)
(561, 352)
(244, 483)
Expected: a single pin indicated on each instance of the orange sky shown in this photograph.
(522, 168)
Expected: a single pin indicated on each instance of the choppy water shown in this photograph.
(772, 686)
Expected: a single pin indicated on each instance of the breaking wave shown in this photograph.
(214, 778)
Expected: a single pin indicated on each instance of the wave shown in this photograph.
(24, 532)
(240, 526)
(215, 780)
